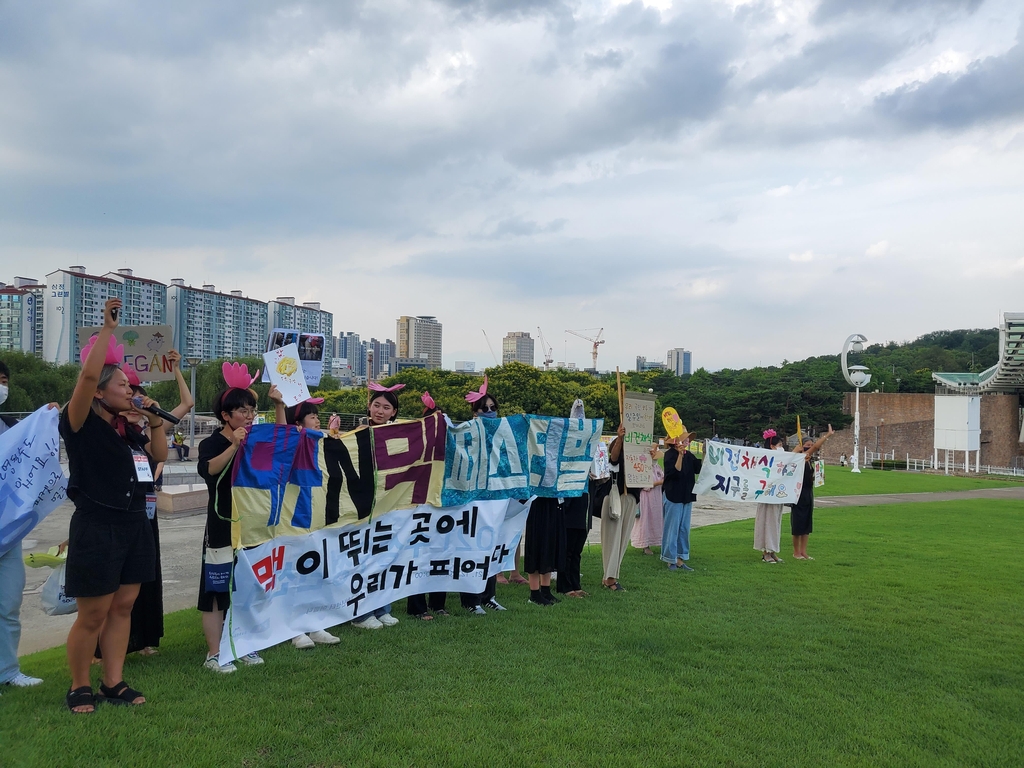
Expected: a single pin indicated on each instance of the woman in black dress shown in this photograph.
(801, 516)
(110, 550)
(236, 408)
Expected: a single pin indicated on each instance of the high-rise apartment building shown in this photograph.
(419, 338)
(211, 325)
(21, 316)
(144, 301)
(283, 312)
(379, 357)
(73, 299)
(517, 347)
(678, 361)
(642, 364)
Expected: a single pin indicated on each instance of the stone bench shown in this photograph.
(181, 499)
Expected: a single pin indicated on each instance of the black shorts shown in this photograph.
(103, 555)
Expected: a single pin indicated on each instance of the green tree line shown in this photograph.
(734, 403)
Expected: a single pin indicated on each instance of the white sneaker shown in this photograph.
(21, 680)
(251, 659)
(388, 620)
(324, 638)
(494, 605)
(370, 622)
(303, 641)
(213, 662)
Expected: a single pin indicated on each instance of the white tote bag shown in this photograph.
(55, 602)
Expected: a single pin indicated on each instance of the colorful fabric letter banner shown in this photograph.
(297, 584)
(517, 457)
(32, 483)
(740, 473)
(288, 481)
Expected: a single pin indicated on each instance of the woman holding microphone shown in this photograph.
(111, 549)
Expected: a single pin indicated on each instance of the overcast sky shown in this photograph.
(753, 181)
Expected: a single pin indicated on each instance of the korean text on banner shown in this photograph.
(760, 475)
(288, 481)
(298, 584)
(518, 457)
(285, 371)
(145, 348)
(638, 418)
(32, 483)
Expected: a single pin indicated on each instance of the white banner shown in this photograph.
(296, 584)
(32, 483)
(741, 473)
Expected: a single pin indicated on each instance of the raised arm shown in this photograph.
(157, 445)
(89, 377)
(615, 451)
(187, 402)
(820, 442)
(280, 417)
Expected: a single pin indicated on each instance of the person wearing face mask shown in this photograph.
(681, 469)
(235, 407)
(768, 517)
(12, 583)
(382, 409)
(801, 516)
(482, 406)
(111, 549)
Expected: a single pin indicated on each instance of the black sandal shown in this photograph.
(424, 617)
(80, 697)
(120, 695)
(441, 612)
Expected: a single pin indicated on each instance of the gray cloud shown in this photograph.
(990, 89)
(829, 10)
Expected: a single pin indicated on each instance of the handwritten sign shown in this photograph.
(638, 418)
(310, 348)
(819, 473)
(740, 473)
(285, 371)
(32, 483)
(145, 348)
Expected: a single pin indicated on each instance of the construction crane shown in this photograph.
(595, 340)
(490, 347)
(545, 349)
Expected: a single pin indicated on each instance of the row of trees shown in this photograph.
(738, 403)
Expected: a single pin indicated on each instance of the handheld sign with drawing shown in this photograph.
(145, 348)
(638, 418)
(285, 371)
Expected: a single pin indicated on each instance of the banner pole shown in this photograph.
(799, 434)
(618, 390)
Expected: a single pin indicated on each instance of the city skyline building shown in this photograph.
(517, 347)
(642, 364)
(73, 299)
(419, 338)
(679, 361)
(212, 325)
(21, 316)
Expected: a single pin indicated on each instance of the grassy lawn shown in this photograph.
(893, 647)
(839, 481)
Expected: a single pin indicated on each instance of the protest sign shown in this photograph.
(297, 584)
(288, 481)
(519, 456)
(145, 348)
(284, 368)
(638, 418)
(819, 473)
(741, 473)
(310, 348)
(32, 483)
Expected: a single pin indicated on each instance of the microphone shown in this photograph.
(155, 410)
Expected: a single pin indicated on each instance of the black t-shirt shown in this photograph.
(218, 518)
(678, 486)
(101, 469)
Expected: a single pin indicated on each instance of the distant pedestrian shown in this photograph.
(801, 518)
(768, 517)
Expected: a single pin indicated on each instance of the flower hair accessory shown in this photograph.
(768, 434)
(236, 375)
(315, 400)
(472, 397)
(427, 400)
(373, 386)
(133, 377)
(115, 351)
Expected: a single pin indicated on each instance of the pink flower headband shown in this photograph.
(236, 375)
(315, 400)
(768, 433)
(472, 397)
(373, 386)
(115, 351)
(427, 400)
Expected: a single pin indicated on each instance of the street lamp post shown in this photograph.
(857, 376)
(193, 362)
